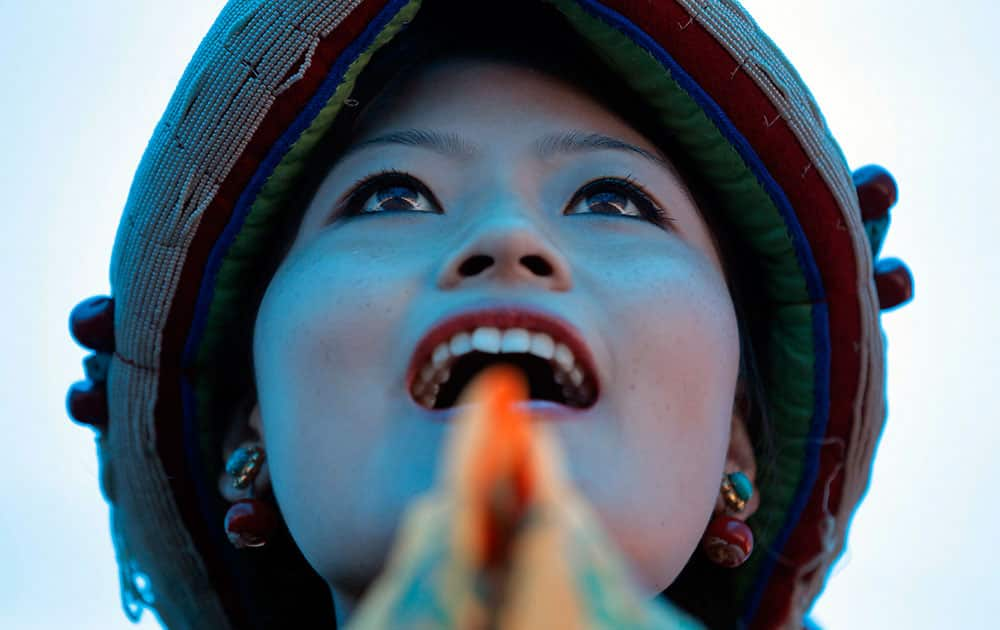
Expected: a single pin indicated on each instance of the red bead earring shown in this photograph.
(728, 541)
(249, 522)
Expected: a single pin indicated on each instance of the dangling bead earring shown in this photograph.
(728, 541)
(249, 521)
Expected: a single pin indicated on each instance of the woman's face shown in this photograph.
(497, 190)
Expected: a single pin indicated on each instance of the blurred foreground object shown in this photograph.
(503, 541)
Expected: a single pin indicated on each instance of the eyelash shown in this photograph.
(631, 189)
(362, 190)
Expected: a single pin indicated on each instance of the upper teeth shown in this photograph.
(496, 341)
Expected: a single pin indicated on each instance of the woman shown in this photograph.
(336, 192)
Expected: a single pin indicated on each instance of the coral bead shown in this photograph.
(727, 542)
(877, 191)
(87, 403)
(92, 323)
(250, 523)
(893, 282)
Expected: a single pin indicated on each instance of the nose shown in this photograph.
(507, 252)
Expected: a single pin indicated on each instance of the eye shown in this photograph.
(612, 195)
(389, 191)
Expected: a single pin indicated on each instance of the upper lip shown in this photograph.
(504, 316)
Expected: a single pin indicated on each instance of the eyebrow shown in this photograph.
(578, 141)
(447, 144)
(451, 145)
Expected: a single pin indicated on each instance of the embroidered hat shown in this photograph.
(267, 84)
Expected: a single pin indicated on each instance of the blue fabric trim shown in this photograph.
(803, 253)
(206, 291)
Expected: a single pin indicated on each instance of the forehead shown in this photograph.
(501, 102)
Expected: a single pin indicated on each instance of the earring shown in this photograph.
(249, 522)
(728, 541)
(736, 491)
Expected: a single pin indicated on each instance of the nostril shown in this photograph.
(538, 265)
(475, 264)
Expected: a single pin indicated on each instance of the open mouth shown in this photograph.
(554, 361)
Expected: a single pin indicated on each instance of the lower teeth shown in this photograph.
(574, 394)
(572, 397)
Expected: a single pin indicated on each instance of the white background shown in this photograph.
(83, 84)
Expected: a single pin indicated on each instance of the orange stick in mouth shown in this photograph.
(500, 477)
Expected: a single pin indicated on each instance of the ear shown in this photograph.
(245, 429)
(740, 455)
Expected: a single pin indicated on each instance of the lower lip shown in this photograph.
(539, 410)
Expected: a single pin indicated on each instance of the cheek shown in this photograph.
(324, 311)
(682, 344)
(327, 370)
(674, 338)
(675, 359)
(339, 299)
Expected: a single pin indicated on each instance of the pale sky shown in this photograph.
(911, 89)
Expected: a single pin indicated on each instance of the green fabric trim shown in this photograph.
(789, 374)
